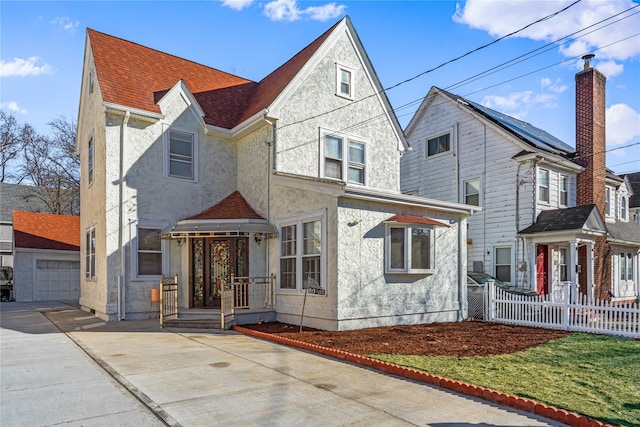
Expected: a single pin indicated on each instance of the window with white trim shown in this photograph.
(302, 254)
(607, 201)
(543, 185)
(409, 249)
(472, 192)
(439, 144)
(503, 264)
(625, 267)
(180, 155)
(562, 264)
(343, 157)
(90, 253)
(344, 81)
(147, 258)
(623, 208)
(563, 189)
(90, 159)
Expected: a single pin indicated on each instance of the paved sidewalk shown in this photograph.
(197, 378)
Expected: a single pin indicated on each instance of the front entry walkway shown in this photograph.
(225, 378)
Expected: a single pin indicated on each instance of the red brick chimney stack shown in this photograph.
(590, 148)
(590, 135)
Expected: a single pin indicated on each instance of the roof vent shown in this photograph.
(587, 60)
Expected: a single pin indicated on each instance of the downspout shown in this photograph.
(271, 145)
(462, 284)
(121, 285)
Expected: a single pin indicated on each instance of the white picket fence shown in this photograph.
(565, 310)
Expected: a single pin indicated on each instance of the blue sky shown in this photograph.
(42, 48)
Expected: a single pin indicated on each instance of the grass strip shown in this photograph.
(593, 375)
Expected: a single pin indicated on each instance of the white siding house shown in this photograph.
(191, 171)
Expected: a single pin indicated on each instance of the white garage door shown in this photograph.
(57, 280)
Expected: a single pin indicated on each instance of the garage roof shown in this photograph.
(46, 231)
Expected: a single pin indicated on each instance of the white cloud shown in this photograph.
(13, 107)
(609, 68)
(480, 14)
(623, 124)
(24, 67)
(516, 103)
(237, 4)
(288, 10)
(65, 23)
(554, 87)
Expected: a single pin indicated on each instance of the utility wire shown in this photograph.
(438, 66)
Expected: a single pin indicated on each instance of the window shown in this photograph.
(437, 145)
(90, 161)
(564, 187)
(90, 253)
(302, 255)
(503, 264)
(147, 249)
(607, 202)
(409, 249)
(623, 208)
(181, 154)
(562, 264)
(626, 266)
(472, 192)
(543, 185)
(338, 147)
(344, 81)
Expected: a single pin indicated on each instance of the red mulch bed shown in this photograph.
(457, 339)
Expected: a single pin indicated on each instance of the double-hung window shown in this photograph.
(343, 157)
(344, 81)
(302, 254)
(147, 259)
(90, 159)
(607, 201)
(626, 266)
(472, 192)
(439, 144)
(410, 248)
(181, 149)
(543, 185)
(90, 253)
(563, 190)
(623, 208)
(503, 264)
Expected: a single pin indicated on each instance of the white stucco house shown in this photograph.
(552, 215)
(192, 171)
(46, 257)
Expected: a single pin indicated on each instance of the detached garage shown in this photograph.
(46, 257)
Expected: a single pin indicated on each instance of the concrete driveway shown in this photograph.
(200, 378)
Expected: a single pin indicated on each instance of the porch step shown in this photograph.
(193, 323)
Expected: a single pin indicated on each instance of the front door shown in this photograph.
(542, 269)
(213, 261)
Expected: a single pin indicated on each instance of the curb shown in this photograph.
(527, 405)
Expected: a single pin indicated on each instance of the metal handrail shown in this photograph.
(168, 298)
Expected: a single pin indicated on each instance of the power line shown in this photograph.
(438, 66)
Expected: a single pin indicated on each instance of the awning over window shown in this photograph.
(214, 228)
(415, 219)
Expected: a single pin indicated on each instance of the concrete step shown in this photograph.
(193, 323)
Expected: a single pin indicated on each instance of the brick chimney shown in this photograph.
(590, 135)
(590, 148)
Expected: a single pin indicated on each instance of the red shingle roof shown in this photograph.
(234, 206)
(46, 231)
(414, 219)
(136, 76)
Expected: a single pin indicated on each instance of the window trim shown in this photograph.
(608, 209)
(435, 136)
(145, 224)
(90, 253)
(345, 162)
(407, 268)
(511, 263)
(339, 69)
(465, 194)
(299, 222)
(624, 208)
(194, 154)
(539, 186)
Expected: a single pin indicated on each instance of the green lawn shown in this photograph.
(593, 375)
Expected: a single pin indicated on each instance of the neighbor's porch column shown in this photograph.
(572, 274)
(590, 270)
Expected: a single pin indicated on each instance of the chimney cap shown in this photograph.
(587, 60)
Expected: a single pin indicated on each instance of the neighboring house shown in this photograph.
(46, 257)
(633, 183)
(19, 197)
(192, 171)
(551, 215)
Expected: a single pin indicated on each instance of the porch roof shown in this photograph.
(580, 218)
(414, 219)
(624, 232)
(212, 228)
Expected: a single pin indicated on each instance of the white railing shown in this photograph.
(568, 310)
(245, 293)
